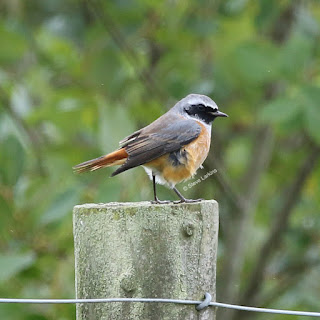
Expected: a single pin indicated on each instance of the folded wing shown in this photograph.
(154, 141)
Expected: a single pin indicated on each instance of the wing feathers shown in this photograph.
(149, 146)
(167, 134)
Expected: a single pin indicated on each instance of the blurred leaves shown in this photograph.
(280, 110)
(11, 161)
(61, 206)
(11, 264)
(77, 77)
(13, 43)
(302, 107)
(311, 98)
(260, 57)
(295, 56)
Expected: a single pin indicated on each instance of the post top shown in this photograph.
(140, 204)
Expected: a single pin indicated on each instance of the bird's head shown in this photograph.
(199, 107)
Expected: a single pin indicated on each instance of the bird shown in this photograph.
(170, 149)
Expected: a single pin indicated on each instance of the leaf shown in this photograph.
(60, 50)
(61, 206)
(11, 160)
(280, 110)
(268, 10)
(13, 45)
(256, 62)
(294, 56)
(11, 264)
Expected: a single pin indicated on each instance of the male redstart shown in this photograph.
(170, 149)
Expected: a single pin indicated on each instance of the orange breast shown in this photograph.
(197, 152)
(198, 149)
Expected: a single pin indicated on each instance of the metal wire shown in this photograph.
(156, 300)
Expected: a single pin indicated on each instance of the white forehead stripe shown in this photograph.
(194, 100)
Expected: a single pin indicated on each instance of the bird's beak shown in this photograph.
(219, 114)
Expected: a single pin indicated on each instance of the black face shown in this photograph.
(205, 113)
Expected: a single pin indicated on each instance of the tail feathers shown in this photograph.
(117, 157)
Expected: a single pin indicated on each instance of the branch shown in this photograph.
(233, 262)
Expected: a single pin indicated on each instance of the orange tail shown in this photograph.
(114, 158)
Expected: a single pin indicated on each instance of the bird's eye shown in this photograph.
(201, 107)
(214, 109)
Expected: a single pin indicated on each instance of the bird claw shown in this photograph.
(157, 201)
(188, 201)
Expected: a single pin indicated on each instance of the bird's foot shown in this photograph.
(157, 201)
(187, 200)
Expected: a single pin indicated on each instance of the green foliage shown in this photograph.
(11, 161)
(13, 44)
(302, 109)
(11, 264)
(260, 57)
(77, 77)
(60, 206)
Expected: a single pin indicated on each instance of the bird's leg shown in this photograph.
(182, 198)
(156, 200)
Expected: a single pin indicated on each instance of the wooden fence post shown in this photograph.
(142, 250)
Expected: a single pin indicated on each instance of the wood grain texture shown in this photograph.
(145, 250)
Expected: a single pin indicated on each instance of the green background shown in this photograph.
(78, 76)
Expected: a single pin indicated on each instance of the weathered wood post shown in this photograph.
(142, 250)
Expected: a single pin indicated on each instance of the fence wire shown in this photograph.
(158, 300)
